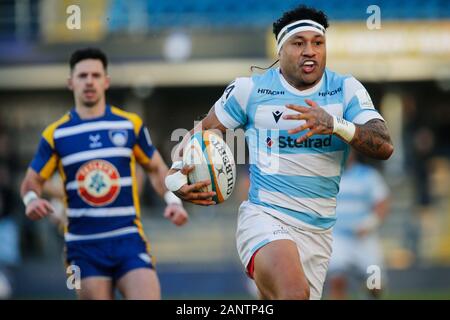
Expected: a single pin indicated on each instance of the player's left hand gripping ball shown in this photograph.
(213, 161)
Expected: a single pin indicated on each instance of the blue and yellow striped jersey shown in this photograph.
(96, 159)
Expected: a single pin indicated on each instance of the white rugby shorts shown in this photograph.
(255, 228)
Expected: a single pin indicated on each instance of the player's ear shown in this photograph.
(69, 83)
(107, 81)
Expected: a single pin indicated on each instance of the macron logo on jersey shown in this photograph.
(277, 115)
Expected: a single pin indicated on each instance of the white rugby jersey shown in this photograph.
(296, 183)
(361, 188)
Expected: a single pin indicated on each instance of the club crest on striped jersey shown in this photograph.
(98, 182)
(118, 137)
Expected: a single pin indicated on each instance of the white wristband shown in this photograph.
(176, 181)
(178, 165)
(171, 198)
(343, 128)
(29, 196)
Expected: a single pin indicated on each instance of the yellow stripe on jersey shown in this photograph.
(50, 130)
(64, 179)
(134, 186)
(134, 118)
(134, 189)
(140, 155)
(137, 221)
(50, 167)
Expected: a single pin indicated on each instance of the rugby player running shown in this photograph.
(284, 229)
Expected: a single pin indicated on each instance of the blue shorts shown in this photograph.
(111, 257)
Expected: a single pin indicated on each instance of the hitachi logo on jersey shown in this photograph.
(290, 142)
(330, 93)
(270, 92)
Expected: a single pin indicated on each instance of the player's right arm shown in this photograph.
(41, 168)
(35, 207)
(227, 113)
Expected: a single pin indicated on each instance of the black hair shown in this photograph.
(300, 13)
(88, 53)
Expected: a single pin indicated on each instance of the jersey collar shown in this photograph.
(74, 115)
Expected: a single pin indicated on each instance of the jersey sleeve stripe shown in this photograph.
(45, 160)
(233, 108)
(140, 155)
(50, 167)
(366, 115)
(224, 117)
(49, 132)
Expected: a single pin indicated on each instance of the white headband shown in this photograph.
(297, 26)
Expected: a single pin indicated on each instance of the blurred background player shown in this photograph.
(362, 206)
(9, 233)
(300, 120)
(95, 146)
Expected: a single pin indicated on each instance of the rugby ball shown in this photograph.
(212, 160)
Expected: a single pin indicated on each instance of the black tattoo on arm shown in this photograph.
(323, 121)
(372, 139)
